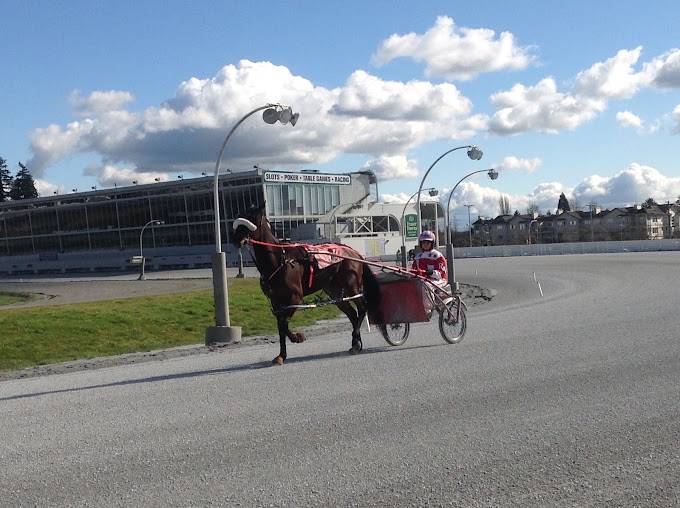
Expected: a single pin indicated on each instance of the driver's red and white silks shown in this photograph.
(430, 260)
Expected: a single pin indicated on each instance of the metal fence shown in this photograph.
(551, 249)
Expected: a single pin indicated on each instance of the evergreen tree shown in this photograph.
(23, 185)
(563, 203)
(649, 202)
(5, 180)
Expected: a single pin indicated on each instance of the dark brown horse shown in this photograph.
(285, 273)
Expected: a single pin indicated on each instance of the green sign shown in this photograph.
(411, 225)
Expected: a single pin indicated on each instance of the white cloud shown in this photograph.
(664, 71)
(367, 96)
(402, 198)
(392, 167)
(511, 162)
(46, 188)
(540, 108)
(628, 119)
(100, 101)
(627, 187)
(614, 78)
(632, 185)
(676, 119)
(366, 116)
(543, 108)
(110, 175)
(456, 52)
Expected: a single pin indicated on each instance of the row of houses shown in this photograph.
(653, 222)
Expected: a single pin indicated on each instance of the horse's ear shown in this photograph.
(258, 210)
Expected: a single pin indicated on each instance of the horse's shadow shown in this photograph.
(226, 370)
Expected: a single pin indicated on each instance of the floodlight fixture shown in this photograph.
(278, 113)
(475, 153)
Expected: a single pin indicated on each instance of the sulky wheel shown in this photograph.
(395, 333)
(453, 324)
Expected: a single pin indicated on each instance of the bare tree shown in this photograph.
(504, 204)
(533, 208)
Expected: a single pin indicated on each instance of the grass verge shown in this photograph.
(51, 334)
(9, 298)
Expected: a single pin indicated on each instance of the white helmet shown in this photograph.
(426, 236)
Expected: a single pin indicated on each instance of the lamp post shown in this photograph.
(493, 174)
(141, 247)
(469, 223)
(223, 332)
(432, 192)
(473, 152)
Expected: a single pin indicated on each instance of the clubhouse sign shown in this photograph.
(275, 177)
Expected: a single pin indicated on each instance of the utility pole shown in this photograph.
(469, 223)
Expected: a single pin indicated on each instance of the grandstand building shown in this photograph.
(101, 230)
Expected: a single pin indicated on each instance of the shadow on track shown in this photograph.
(226, 370)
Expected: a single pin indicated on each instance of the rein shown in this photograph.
(360, 260)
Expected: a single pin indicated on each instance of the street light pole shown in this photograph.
(473, 152)
(493, 174)
(142, 276)
(469, 223)
(433, 192)
(223, 332)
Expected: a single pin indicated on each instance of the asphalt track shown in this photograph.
(566, 399)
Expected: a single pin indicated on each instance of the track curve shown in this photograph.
(567, 399)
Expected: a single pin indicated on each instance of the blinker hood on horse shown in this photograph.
(289, 272)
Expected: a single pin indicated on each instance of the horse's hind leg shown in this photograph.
(349, 311)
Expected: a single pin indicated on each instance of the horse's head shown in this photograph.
(248, 226)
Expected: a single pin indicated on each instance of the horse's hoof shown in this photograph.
(354, 351)
(278, 360)
(299, 337)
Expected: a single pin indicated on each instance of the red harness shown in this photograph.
(306, 246)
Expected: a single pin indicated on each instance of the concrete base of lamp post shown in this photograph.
(222, 333)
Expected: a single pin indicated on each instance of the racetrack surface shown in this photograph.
(567, 399)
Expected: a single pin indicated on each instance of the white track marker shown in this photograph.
(539, 288)
(535, 281)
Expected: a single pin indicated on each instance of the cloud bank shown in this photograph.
(456, 53)
(367, 115)
(632, 185)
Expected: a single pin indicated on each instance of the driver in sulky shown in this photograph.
(429, 262)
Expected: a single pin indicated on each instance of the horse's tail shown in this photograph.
(371, 291)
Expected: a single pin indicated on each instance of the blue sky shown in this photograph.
(577, 97)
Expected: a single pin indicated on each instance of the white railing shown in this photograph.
(549, 249)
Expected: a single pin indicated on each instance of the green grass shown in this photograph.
(8, 298)
(51, 334)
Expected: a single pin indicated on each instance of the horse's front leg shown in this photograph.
(282, 322)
